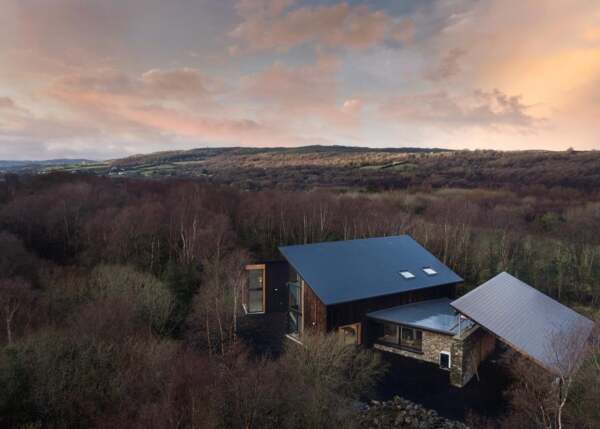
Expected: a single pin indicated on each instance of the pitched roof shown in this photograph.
(343, 271)
(434, 315)
(529, 321)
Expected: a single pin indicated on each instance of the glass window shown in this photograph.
(407, 275)
(389, 333)
(255, 301)
(429, 271)
(294, 308)
(411, 338)
(402, 336)
(350, 333)
(256, 290)
(408, 334)
(294, 323)
(445, 360)
(295, 298)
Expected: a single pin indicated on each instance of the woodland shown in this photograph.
(119, 296)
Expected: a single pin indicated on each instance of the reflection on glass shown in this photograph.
(255, 294)
(294, 308)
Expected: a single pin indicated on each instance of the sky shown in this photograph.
(102, 79)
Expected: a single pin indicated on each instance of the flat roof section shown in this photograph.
(433, 315)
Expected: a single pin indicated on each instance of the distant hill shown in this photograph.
(28, 166)
(340, 167)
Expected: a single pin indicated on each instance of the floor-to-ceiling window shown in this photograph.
(295, 307)
(254, 299)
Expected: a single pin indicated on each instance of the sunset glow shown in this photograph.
(109, 78)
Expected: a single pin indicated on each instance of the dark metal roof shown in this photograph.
(343, 271)
(434, 315)
(527, 320)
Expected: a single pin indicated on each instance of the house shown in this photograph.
(391, 294)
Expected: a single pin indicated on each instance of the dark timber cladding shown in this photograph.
(527, 320)
(345, 271)
(315, 312)
(277, 275)
(352, 312)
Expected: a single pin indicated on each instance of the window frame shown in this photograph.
(417, 335)
(246, 294)
(299, 312)
(433, 271)
(449, 360)
(357, 327)
(407, 274)
(382, 339)
(398, 343)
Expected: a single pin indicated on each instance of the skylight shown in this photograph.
(429, 271)
(407, 274)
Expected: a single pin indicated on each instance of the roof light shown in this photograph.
(429, 271)
(407, 274)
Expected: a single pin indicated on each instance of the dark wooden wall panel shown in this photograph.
(314, 311)
(353, 312)
(277, 273)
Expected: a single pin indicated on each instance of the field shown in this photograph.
(343, 168)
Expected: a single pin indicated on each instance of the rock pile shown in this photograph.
(401, 413)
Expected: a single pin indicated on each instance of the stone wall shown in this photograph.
(400, 413)
(468, 351)
(433, 344)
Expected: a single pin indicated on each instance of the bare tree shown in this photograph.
(216, 305)
(541, 393)
(567, 348)
(15, 295)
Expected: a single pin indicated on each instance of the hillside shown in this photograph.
(350, 167)
(41, 166)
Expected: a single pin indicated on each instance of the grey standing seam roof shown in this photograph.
(434, 315)
(526, 319)
(344, 271)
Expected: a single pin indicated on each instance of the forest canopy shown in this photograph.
(119, 295)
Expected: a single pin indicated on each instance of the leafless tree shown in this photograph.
(15, 295)
(216, 306)
(541, 393)
(568, 349)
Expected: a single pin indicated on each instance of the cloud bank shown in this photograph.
(109, 78)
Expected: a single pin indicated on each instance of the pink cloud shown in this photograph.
(476, 109)
(299, 88)
(217, 129)
(449, 65)
(7, 103)
(71, 31)
(148, 105)
(307, 94)
(262, 7)
(272, 25)
(182, 83)
(11, 113)
(353, 106)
